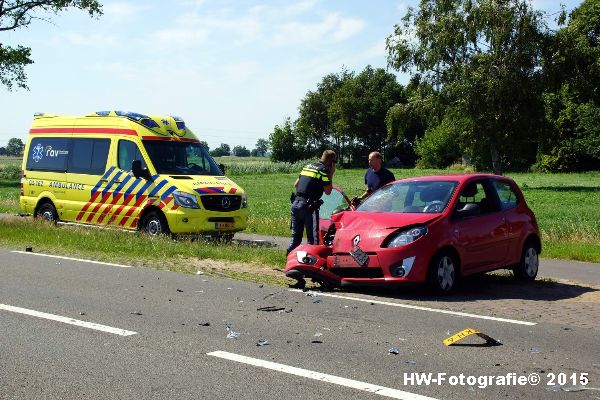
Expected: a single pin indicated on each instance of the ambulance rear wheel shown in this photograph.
(47, 212)
(155, 224)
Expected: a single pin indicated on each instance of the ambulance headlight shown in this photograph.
(186, 200)
(244, 200)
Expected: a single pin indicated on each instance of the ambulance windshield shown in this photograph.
(180, 158)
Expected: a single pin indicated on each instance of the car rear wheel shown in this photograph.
(527, 268)
(443, 272)
(155, 224)
(47, 212)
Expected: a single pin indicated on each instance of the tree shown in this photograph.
(222, 150)
(359, 108)
(3, 151)
(313, 127)
(15, 14)
(15, 147)
(261, 147)
(282, 142)
(204, 144)
(241, 151)
(482, 59)
(572, 99)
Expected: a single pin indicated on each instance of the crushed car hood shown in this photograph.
(372, 228)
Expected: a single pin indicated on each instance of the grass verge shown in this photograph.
(243, 262)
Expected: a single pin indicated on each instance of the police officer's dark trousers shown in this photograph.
(304, 216)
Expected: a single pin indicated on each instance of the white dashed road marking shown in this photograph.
(366, 387)
(456, 313)
(71, 259)
(67, 320)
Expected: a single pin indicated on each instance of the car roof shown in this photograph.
(453, 177)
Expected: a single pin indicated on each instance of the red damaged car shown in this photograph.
(430, 229)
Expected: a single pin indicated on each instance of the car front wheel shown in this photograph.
(155, 224)
(443, 272)
(527, 268)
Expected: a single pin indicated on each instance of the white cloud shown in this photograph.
(120, 10)
(120, 70)
(89, 40)
(348, 28)
(180, 37)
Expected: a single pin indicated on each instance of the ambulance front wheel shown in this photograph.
(155, 224)
(47, 212)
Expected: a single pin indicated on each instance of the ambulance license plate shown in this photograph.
(360, 256)
(224, 225)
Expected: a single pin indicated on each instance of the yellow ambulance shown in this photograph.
(130, 171)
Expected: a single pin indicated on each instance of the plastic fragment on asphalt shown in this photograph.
(180, 291)
(318, 334)
(262, 342)
(410, 362)
(82, 313)
(534, 350)
(316, 342)
(231, 334)
(270, 308)
(490, 341)
(393, 350)
(204, 324)
(137, 313)
(29, 249)
(199, 273)
(317, 301)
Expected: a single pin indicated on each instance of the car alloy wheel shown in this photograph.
(446, 273)
(527, 268)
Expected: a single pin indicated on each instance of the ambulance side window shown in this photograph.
(129, 151)
(48, 154)
(88, 156)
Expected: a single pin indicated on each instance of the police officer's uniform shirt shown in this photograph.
(313, 178)
(375, 180)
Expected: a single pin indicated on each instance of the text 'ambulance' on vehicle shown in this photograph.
(127, 170)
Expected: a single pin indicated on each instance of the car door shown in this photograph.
(482, 238)
(334, 202)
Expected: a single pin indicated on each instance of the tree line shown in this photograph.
(490, 83)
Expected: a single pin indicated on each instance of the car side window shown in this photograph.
(88, 156)
(506, 194)
(48, 154)
(128, 152)
(481, 194)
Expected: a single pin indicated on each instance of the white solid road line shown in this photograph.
(71, 259)
(67, 320)
(366, 387)
(388, 303)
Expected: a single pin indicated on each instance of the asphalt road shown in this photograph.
(169, 337)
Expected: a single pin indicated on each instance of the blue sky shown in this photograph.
(231, 68)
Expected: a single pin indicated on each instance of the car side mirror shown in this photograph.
(222, 168)
(138, 171)
(468, 210)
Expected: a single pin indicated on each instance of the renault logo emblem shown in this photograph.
(356, 240)
(225, 202)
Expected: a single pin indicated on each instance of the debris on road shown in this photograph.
(262, 342)
(136, 313)
(199, 273)
(82, 313)
(490, 341)
(231, 334)
(270, 308)
(316, 342)
(410, 362)
(180, 290)
(204, 324)
(29, 249)
(393, 350)
(534, 350)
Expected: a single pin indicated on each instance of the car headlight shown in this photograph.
(406, 236)
(186, 200)
(244, 200)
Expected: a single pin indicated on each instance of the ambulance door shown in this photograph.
(90, 179)
(131, 193)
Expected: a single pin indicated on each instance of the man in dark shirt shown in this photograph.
(375, 177)
(315, 178)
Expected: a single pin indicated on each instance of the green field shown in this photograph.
(566, 205)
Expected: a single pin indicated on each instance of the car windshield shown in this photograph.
(411, 197)
(180, 158)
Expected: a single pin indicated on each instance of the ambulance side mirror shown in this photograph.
(138, 171)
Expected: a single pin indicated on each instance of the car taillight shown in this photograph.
(22, 191)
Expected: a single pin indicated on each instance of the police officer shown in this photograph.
(375, 177)
(315, 178)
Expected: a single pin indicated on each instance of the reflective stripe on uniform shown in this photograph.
(316, 174)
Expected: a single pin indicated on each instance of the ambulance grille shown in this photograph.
(222, 203)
